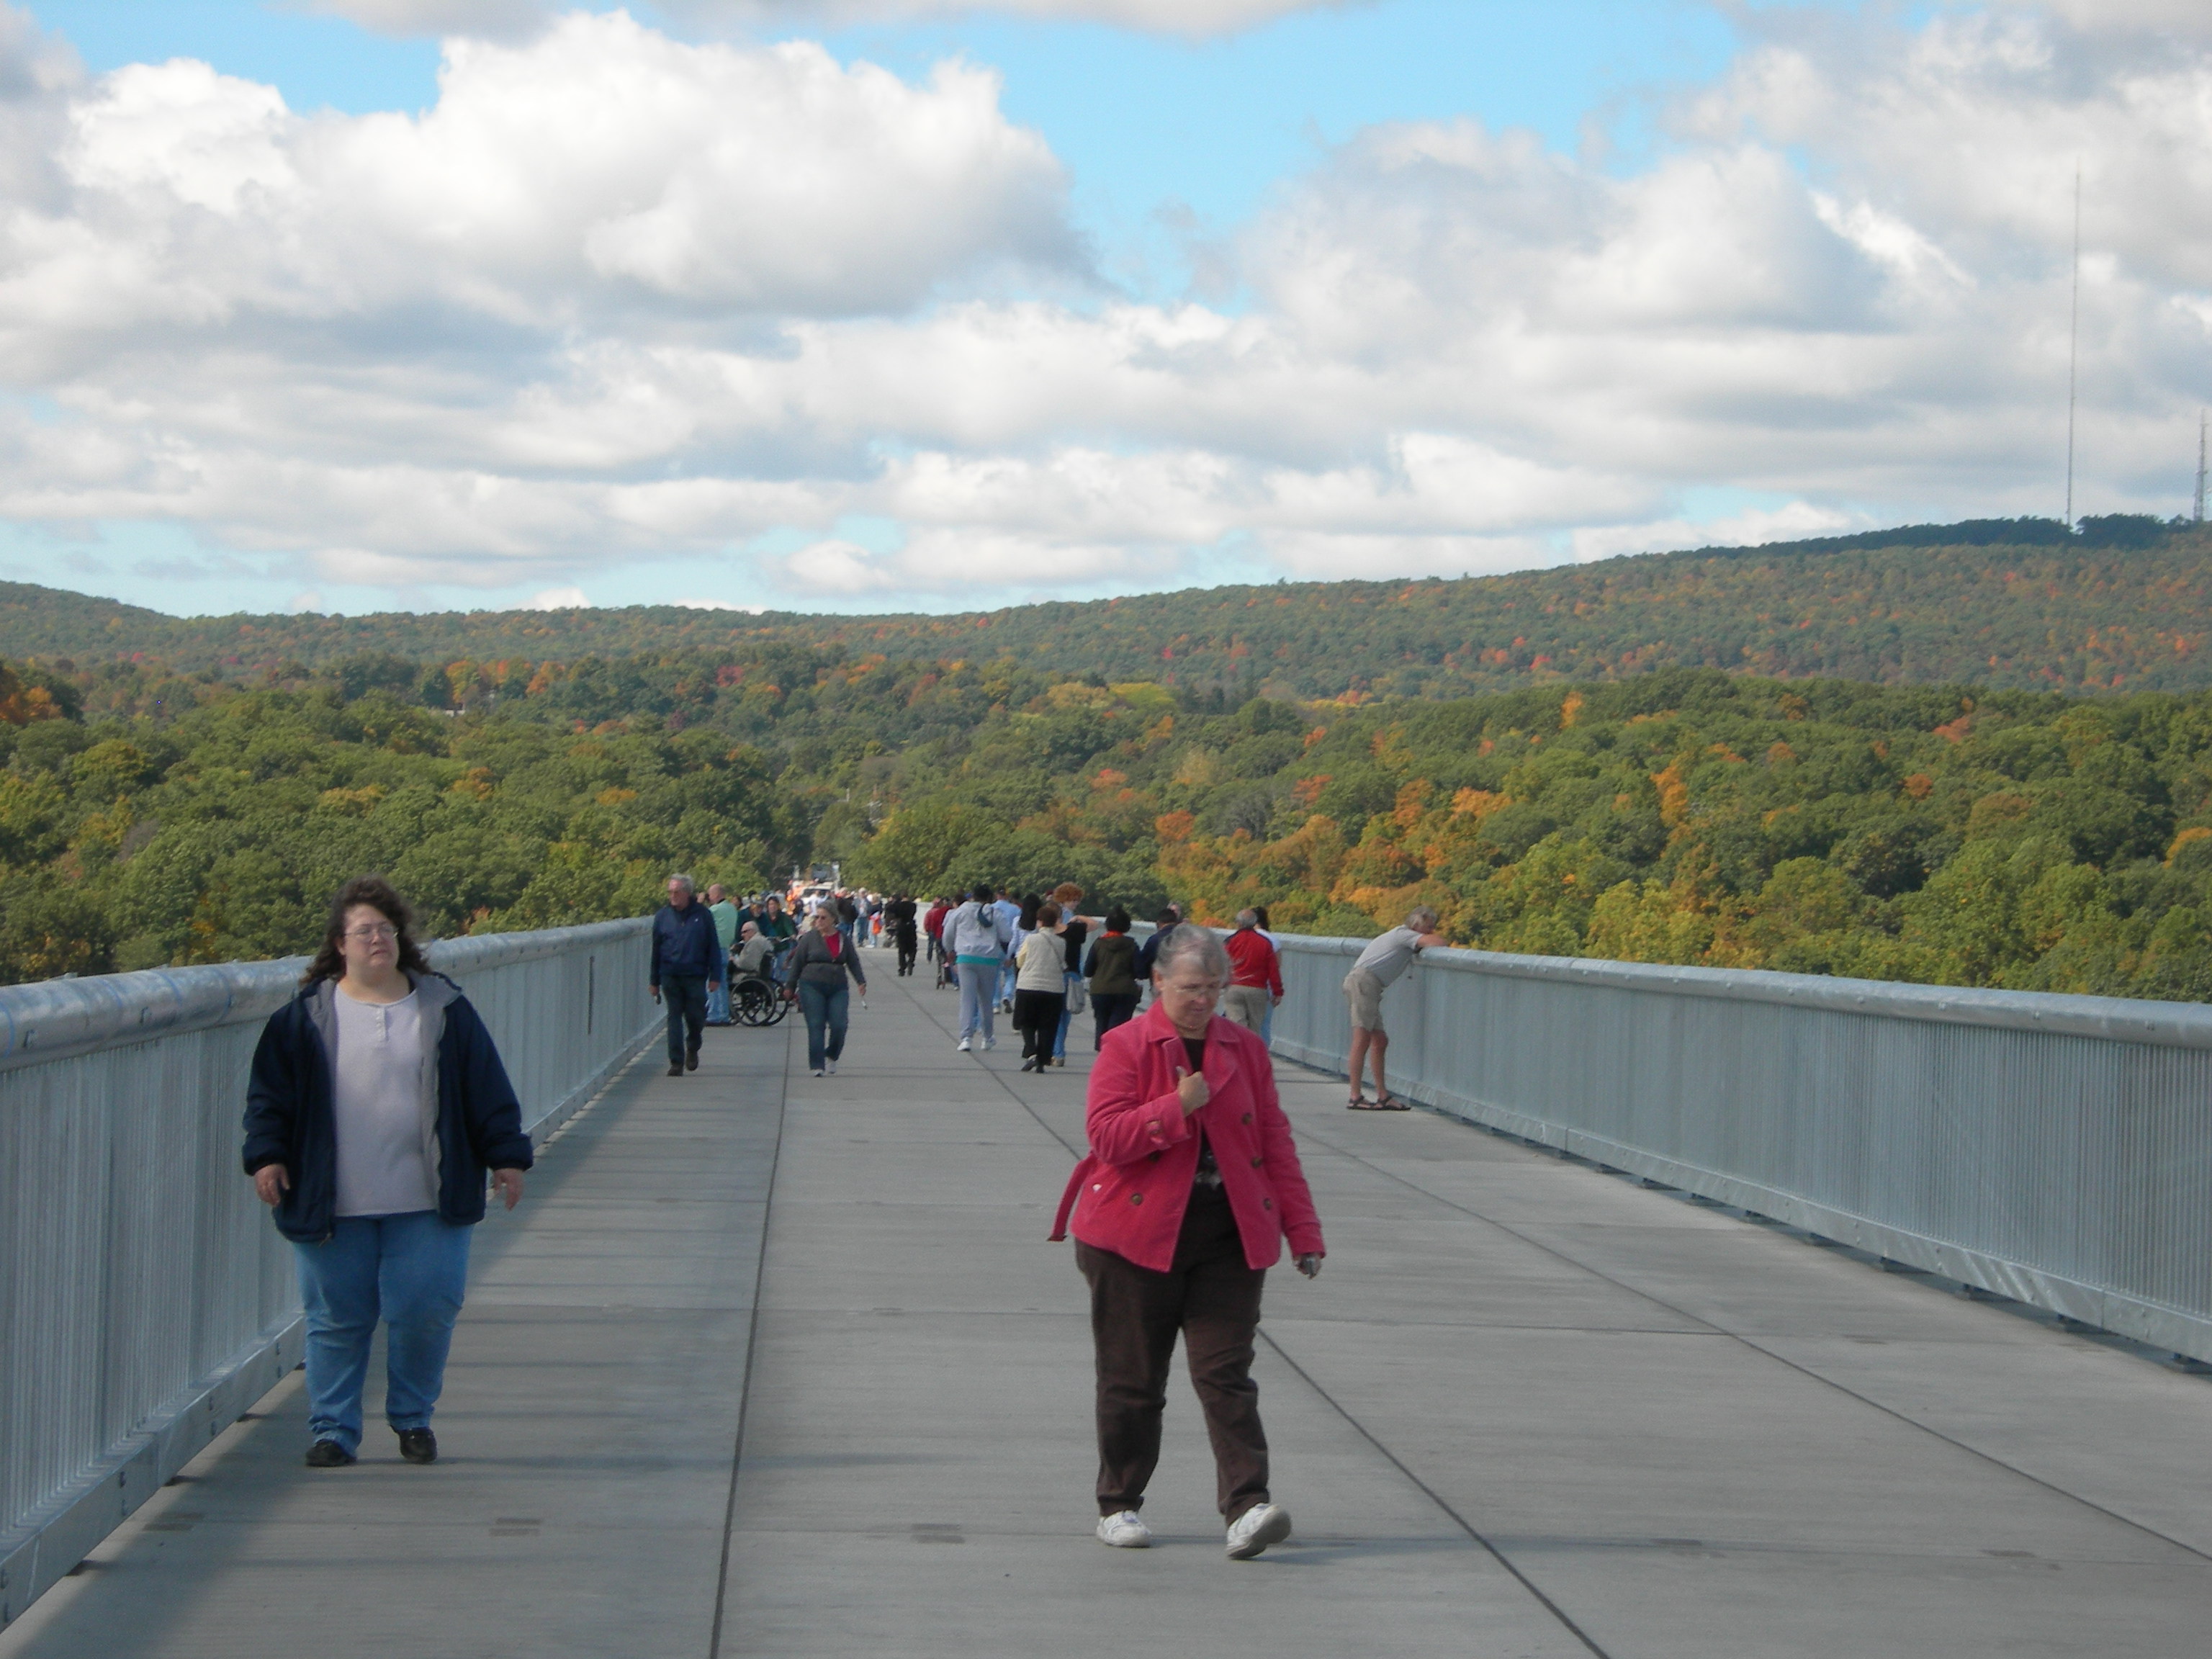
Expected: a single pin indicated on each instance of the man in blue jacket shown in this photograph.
(687, 959)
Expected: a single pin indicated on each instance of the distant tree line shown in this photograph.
(2121, 603)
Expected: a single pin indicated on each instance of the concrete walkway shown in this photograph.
(1527, 1409)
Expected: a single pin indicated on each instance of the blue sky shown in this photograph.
(1394, 288)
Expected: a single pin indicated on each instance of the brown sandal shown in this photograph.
(1383, 1104)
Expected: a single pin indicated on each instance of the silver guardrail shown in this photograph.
(2057, 1150)
(145, 1299)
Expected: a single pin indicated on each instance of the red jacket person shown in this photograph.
(1191, 1186)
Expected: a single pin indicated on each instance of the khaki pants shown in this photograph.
(1246, 1005)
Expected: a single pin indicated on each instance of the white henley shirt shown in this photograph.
(377, 1073)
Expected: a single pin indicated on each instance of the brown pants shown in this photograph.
(1212, 1297)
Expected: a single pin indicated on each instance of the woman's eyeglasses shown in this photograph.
(383, 933)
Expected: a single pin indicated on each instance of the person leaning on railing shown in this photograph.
(1192, 1185)
(1380, 964)
(376, 1104)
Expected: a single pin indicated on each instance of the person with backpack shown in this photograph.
(978, 936)
(1112, 969)
(376, 1107)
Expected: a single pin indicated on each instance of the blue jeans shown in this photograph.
(1066, 1015)
(824, 1006)
(979, 997)
(718, 1004)
(412, 1270)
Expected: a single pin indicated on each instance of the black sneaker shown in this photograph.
(418, 1445)
(328, 1455)
(675, 1070)
(690, 1060)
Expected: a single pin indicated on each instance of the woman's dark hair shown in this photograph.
(1117, 920)
(1167, 917)
(983, 895)
(1260, 912)
(380, 894)
(1029, 912)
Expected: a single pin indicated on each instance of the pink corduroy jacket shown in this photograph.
(1129, 1196)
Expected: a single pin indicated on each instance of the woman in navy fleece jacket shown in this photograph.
(376, 1106)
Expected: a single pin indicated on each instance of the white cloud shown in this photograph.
(499, 19)
(616, 298)
(721, 605)
(599, 179)
(558, 599)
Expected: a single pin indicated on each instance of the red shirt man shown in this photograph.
(1255, 976)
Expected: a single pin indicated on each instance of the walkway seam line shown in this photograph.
(1437, 1498)
(1335, 1405)
(1784, 1360)
(752, 1351)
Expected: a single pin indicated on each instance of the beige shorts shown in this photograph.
(1363, 992)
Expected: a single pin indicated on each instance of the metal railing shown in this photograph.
(145, 1299)
(2057, 1150)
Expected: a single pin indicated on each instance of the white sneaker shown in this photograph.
(964, 1045)
(1257, 1528)
(1125, 1531)
(990, 1043)
(817, 1074)
(833, 1069)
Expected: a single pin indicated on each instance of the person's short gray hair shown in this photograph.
(690, 885)
(1248, 918)
(1189, 939)
(1423, 918)
(747, 930)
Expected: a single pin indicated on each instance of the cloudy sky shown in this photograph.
(851, 305)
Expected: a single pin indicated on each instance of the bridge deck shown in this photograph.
(1527, 1409)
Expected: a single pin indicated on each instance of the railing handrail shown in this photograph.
(2118, 1019)
(54, 1019)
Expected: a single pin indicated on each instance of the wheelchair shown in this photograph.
(762, 998)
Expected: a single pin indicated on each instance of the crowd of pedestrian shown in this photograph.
(379, 1111)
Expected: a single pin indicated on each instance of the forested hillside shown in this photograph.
(2123, 604)
(1950, 834)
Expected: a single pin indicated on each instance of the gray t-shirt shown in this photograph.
(1391, 955)
(378, 1074)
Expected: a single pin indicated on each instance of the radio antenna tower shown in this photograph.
(2074, 345)
(2199, 513)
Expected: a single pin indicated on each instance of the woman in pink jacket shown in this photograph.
(1191, 1186)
